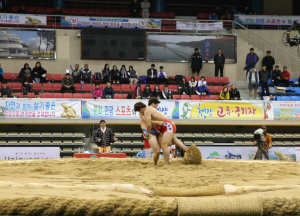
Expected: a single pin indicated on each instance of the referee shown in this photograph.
(103, 137)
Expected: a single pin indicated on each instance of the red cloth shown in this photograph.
(109, 155)
(285, 75)
(146, 144)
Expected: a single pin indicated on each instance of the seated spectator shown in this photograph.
(213, 16)
(147, 93)
(272, 98)
(152, 74)
(162, 76)
(192, 86)
(285, 77)
(108, 92)
(15, 94)
(97, 92)
(224, 95)
(36, 94)
(158, 97)
(202, 89)
(115, 75)
(58, 11)
(170, 97)
(253, 81)
(1, 74)
(156, 92)
(184, 87)
(5, 89)
(139, 97)
(86, 74)
(38, 73)
(218, 12)
(166, 93)
(27, 81)
(23, 71)
(22, 10)
(247, 10)
(234, 93)
(76, 73)
(67, 84)
(230, 12)
(105, 73)
(276, 75)
(25, 94)
(4, 95)
(124, 75)
(6, 6)
(133, 76)
(136, 92)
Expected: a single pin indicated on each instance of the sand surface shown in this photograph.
(16, 175)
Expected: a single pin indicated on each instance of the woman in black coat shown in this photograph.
(147, 93)
(23, 70)
(156, 92)
(184, 87)
(38, 73)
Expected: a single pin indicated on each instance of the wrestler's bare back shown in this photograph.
(154, 114)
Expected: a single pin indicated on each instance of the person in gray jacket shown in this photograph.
(67, 84)
(145, 5)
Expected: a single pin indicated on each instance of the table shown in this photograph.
(96, 155)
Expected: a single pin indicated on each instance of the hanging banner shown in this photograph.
(19, 153)
(283, 110)
(212, 26)
(265, 19)
(17, 19)
(40, 108)
(110, 23)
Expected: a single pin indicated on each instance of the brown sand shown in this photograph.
(141, 172)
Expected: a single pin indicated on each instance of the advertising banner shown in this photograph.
(17, 19)
(18, 153)
(110, 23)
(212, 26)
(284, 110)
(40, 108)
(265, 19)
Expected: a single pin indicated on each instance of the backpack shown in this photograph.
(143, 80)
(178, 79)
(98, 76)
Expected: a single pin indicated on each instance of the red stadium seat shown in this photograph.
(67, 95)
(15, 75)
(82, 12)
(88, 96)
(14, 9)
(20, 95)
(50, 10)
(47, 86)
(200, 16)
(229, 88)
(91, 12)
(9, 84)
(118, 96)
(125, 87)
(143, 86)
(173, 88)
(57, 77)
(211, 88)
(115, 13)
(99, 12)
(124, 13)
(172, 22)
(57, 95)
(188, 78)
(107, 13)
(56, 86)
(152, 86)
(66, 11)
(155, 15)
(185, 97)
(87, 87)
(165, 22)
(77, 86)
(47, 95)
(77, 95)
(161, 87)
(204, 97)
(30, 94)
(8, 76)
(224, 80)
(206, 15)
(164, 15)
(176, 97)
(214, 97)
(41, 10)
(16, 86)
(171, 15)
(218, 89)
(208, 79)
(32, 10)
(133, 86)
(74, 11)
(37, 86)
(195, 97)
(49, 77)
(116, 87)
(215, 80)
(0, 85)
(167, 28)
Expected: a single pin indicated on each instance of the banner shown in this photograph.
(32, 44)
(282, 110)
(179, 48)
(17, 19)
(40, 108)
(110, 23)
(18, 153)
(212, 26)
(297, 149)
(265, 19)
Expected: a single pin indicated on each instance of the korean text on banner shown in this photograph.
(40, 108)
(265, 20)
(215, 26)
(285, 110)
(17, 19)
(18, 153)
(110, 23)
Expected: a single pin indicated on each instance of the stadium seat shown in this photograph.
(88, 96)
(99, 12)
(56, 86)
(8, 76)
(93, 78)
(208, 79)
(19, 94)
(143, 86)
(204, 97)
(82, 12)
(200, 16)
(172, 22)
(74, 11)
(91, 12)
(115, 13)
(107, 13)
(66, 11)
(118, 96)
(14, 9)
(49, 77)
(285, 98)
(165, 22)
(278, 98)
(47, 95)
(171, 15)
(218, 89)
(32, 10)
(173, 88)
(195, 97)
(57, 95)
(9, 84)
(67, 95)
(124, 13)
(163, 15)
(215, 80)
(41, 10)
(155, 14)
(77, 95)
(125, 87)
(188, 78)
(15, 75)
(37, 86)
(224, 80)
(50, 10)
(211, 88)
(87, 87)
(229, 88)
(116, 87)
(214, 97)
(176, 97)
(77, 87)
(57, 77)
(185, 97)
(30, 94)
(295, 98)
(166, 28)
(297, 90)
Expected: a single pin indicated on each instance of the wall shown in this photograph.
(278, 7)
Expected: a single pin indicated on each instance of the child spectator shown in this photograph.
(136, 92)
(105, 73)
(97, 92)
(147, 93)
(285, 76)
(38, 73)
(27, 81)
(156, 92)
(15, 94)
(170, 97)
(162, 76)
(140, 97)
(76, 73)
(192, 86)
(5, 90)
(166, 93)
(108, 92)
(23, 71)
(202, 89)
(224, 95)
(213, 16)
(184, 87)
(234, 93)
(115, 75)
(86, 74)
(253, 80)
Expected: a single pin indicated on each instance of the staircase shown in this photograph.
(242, 86)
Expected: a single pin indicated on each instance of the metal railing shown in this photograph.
(281, 56)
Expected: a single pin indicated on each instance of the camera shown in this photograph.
(259, 137)
(78, 34)
(292, 41)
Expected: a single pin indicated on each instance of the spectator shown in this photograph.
(147, 93)
(139, 97)
(184, 87)
(145, 5)
(152, 74)
(159, 97)
(38, 73)
(23, 71)
(67, 84)
(25, 94)
(86, 74)
(219, 61)
(234, 93)
(76, 73)
(1, 74)
(124, 75)
(27, 81)
(253, 80)
(254, 13)
(264, 76)
(135, 8)
(196, 62)
(224, 95)
(36, 94)
(219, 12)
(213, 16)
(106, 73)
(136, 92)
(4, 95)
(202, 89)
(170, 97)
(192, 86)
(97, 92)
(251, 60)
(166, 93)
(276, 75)
(108, 92)
(269, 61)
(103, 137)
(285, 77)
(15, 94)
(162, 76)
(248, 11)
(133, 76)
(230, 12)
(58, 11)
(22, 10)
(272, 98)
(6, 6)
(156, 92)
(5, 89)
(115, 75)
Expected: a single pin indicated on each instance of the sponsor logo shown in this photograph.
(74, 21)
(214, 155)
(93, 156)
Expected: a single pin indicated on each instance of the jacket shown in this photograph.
(211, 17)
(268, 141)
(115, 72)
(276, 74)
(192, 85)
(149, 72)
(165, 94)
(136, 94)
(1, 71)
(27, 79)
(98, 93)
(6, 90)
(108, 91)
(22, 72)
(132, 74)
(226, 97)
(264, 76)
(40, 71)
(135, 6)
(285, 75)
(86, 72)
(6, 7)
(196, 61)
(67, 82)
(105, 72)
(157, 93)
(248, 58)
(250, 74)
(125, 73)
(145, 6)
(219, 59)
(269, 61)
(147, 93)
(234, 94)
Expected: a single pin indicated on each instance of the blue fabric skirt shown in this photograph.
(202, 89)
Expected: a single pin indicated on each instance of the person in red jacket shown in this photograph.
(285, 76)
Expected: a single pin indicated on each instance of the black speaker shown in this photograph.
(108, 43)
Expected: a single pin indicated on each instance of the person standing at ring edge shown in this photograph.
(103, 137)
(196, 62)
